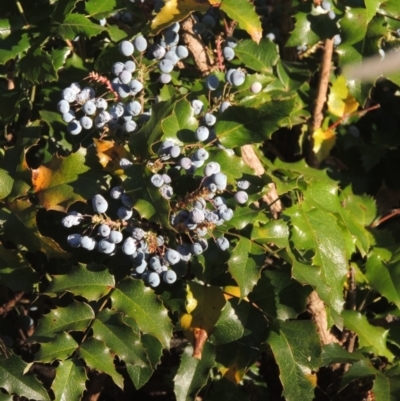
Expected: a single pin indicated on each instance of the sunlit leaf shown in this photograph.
(69, 383)
(323, 142)
(340, 102)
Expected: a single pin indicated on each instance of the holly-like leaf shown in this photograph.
(20, 227)
(62, 9)
(240, 125)
(368, 335)
(59, 57)
(98, 356)
(275, 231)
(14, 44)
(65, 180)
(75, 317)
(323, 142)
(279, 295)
(297, 351)
(340, 102)
(100, 8)
(110, 328)
(139, 302)
(259, 57)
(176, 10)
(69, 383)
(245, 264)
(91, 282)
(334, 353)
(6, 183)
(61, 347)
(77, 24)
(180, 124)
(147, 198)
(385, 277)
(245, 14)
(203, 304)
(15, 271)
(193, 373)
(38, 67)
(14, 381)
(317, 231)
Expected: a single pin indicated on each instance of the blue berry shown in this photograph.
(129, 66)
(105, 246)
(241, 197)
(63, 106)
(126, 48)
(115, 237)
(196, 248)
(89, 107)
(157, 180)
(136, 86)
(124, 213)
(100, 205)
(104, 230)
(212, 82)
(153, 279)
(74, 240)
(202, 133)
(88, 243)
(117, 68)
(197, 106)
(237, 78)
(69, 95)
(74, 127)
(256, 87)
(165, 78)
(231, 42)
(129, 246)
(229, 53)
(222, 243)
(133, 108)
(165, 66)
(140, 43)
(172, 256)
(169, 277)
(125, 77)
(86, 122)
(182, 52)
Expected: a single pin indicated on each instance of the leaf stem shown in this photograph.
(21, 10)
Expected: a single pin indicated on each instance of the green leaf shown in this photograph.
(61, 347)
(6, 183)
(6, 397)
(244, 13)
(361, 207)
(62, 9)
(297, 351)
(384, 388)
(59, 57)
(259, 57)
(14, 381)
(136, 300)
(98, 356)
(38, 67)
(318, 231)
(243, 322)
(65, 180)
(275, 231)
(152, 131)
(20, 227)
(100, 8)
(193, 373)
(180, 124)
(279, 295)
(77, 24)
(122, 340)
(385, 277)
(335, 353)
(148, 200)
(240, 125)
(69, 383)
(75, 317)
(15, 271)
(13, 45)
(245, 264)
(91, 282)
(224, 389)
(368, 335)
(309, 29)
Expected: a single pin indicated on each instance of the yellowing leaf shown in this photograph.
(110, 154)
(340, 102)
(233, 373)
(176, 10)
(323, 143)
(204, 305)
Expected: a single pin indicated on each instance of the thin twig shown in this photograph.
(8, 306)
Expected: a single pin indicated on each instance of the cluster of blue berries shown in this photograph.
(151, 260)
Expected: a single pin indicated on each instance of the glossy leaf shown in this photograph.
(180, 124)
(323, 142)
(193, 373)
(245, 264)
(98, 356)
(14, 381)
(91, 282)
(275, 231)
(368, 335)
(65, 180)
(99, 8)
(340, 102)
(334, 353)
(385, 277)
(279, 295)
(69, 383)
(140, 303)
(318, 231)
(240, 125)
(259, 57)
(244, 13)
(297, 351)
(38, 67)
(7, 183)
(74, 317)
(148, 200)
(61, 347)
(176, 10)
(77, 24)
